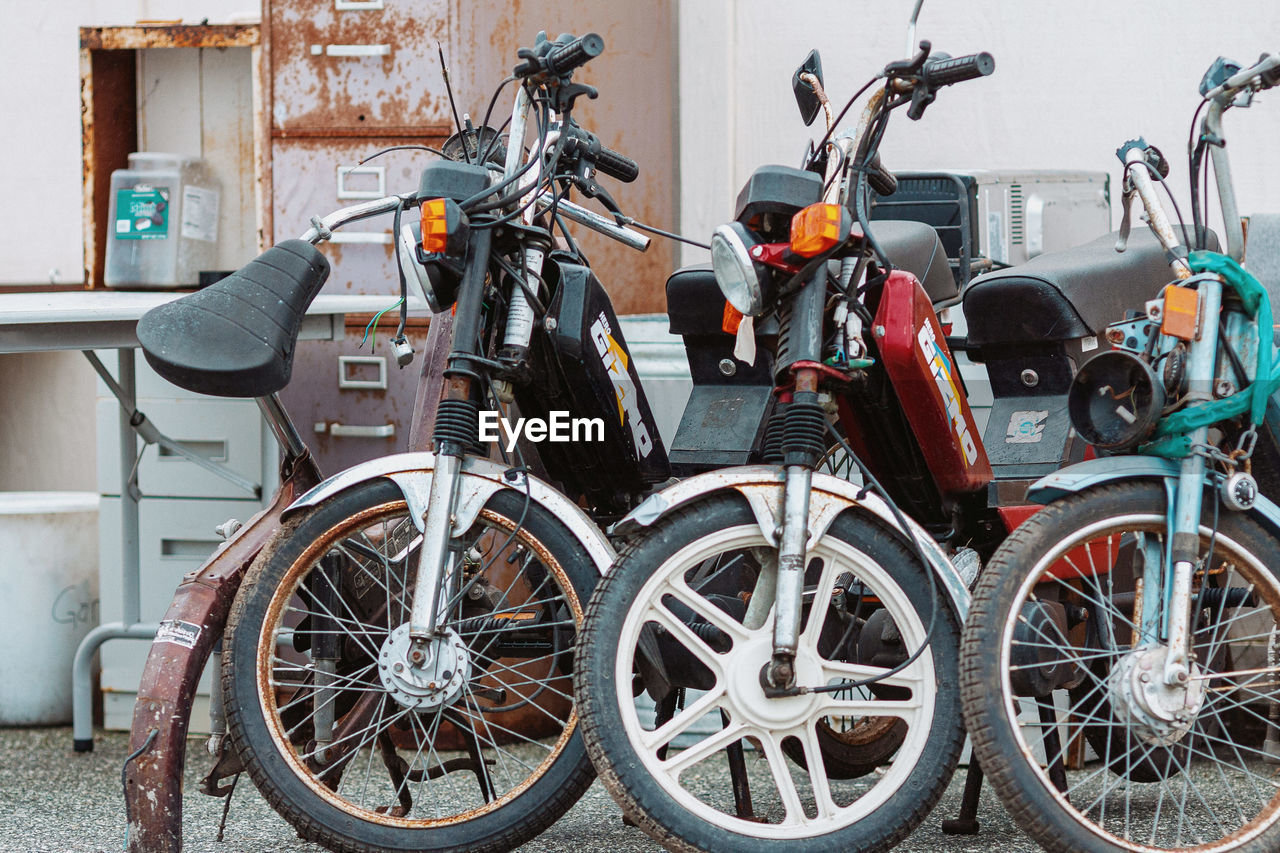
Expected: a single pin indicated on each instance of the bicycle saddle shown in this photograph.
(236, 338)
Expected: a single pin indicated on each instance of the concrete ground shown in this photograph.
(55, 801)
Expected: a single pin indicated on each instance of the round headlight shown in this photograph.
(738, 276)
(414, 272)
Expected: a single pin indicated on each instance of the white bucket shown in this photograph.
(48, 600)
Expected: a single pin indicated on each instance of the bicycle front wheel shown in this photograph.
(1064, 695)
(477, 748)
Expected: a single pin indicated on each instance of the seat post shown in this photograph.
(282, 426)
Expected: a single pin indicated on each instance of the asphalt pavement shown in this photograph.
(53, 800)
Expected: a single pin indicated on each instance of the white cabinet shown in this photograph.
(181, 504)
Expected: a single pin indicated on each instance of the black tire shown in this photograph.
(872, 813)
(1125, 801)
(517, 703)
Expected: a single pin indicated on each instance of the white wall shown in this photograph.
(47, 417)
(1073, 81)
(40, 231)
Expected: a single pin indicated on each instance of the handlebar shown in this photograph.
(560, 59)
(937, 73)
(613, 163)
(580, 51)
(617, 165)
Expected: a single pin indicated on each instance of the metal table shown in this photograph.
(107, 319)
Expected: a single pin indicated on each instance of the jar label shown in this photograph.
(142, 213)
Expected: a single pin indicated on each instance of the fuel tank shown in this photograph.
(924, 374)
(582, 365)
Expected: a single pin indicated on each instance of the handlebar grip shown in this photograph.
(563, 59)
(944, 72)
(617, 165)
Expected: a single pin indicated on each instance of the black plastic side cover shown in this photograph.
(236, 338)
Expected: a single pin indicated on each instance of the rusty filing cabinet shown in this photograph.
(348, 78)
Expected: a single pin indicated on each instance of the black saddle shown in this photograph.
(236, 338)
(1069, 294)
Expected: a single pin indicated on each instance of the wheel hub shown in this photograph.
(435, 682)
(1160, 713)
(746, 694)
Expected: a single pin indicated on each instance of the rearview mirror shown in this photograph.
(806, 97)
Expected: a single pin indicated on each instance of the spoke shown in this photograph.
(709, 745)
(817, 769)
(780, 767)
(706, 655)
(821, 603)
(676, 726)
(911, 677)
(678, 589)
(524, 678)
(906, 709)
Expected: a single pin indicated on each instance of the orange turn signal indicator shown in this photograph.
(819, 228)
(444, 227)
(1181, 315)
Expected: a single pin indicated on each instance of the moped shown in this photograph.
(1136, 614)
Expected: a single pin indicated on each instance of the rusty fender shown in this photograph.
(762, 486)
(481, 479)
(153, 780)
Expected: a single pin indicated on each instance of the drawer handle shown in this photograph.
(350, 431)
(348, 369)
(356, 5)
(378, 173)
(371, 237)
(351, 50)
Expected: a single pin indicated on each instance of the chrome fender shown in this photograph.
(482, 478)
(1096, 472)
(761, 485)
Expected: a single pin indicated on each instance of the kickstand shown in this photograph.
(1052, 746)
(738, 774)
(967, 822)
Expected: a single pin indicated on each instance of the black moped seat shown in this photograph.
(1069, 294)
(236, 338)
(915, 247)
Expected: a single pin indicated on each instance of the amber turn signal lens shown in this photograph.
(731, 320)
(817, 228)
(1181, 317)
(435, 226)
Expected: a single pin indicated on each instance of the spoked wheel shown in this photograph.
(361, 749)
(1177, 767)
(714, 768)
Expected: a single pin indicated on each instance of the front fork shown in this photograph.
(802, 447)
(1185, 547)
(456, 429)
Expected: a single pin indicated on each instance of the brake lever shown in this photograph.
(1126, 218)
(909, 67)
(589, 188)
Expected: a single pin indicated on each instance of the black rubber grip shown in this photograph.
(944, 72)
(617, 165)
(561, 60)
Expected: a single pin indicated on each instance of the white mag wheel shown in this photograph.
(670, 616)
(1153, 767)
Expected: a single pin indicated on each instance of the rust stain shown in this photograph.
(179, 35)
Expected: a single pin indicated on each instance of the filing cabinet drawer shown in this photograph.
(229, 432)
(323, 177)
(350, 404)
(352, 66)
(175, 536)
